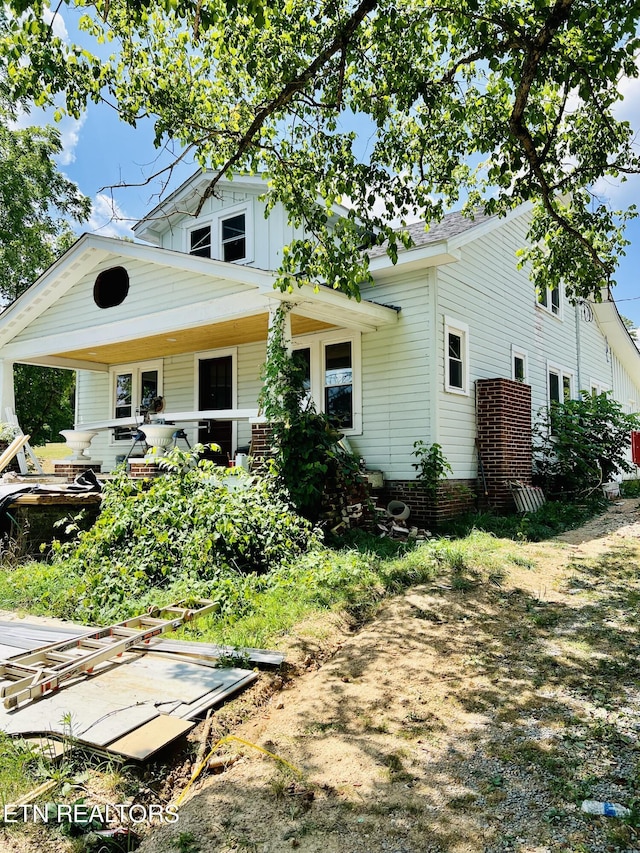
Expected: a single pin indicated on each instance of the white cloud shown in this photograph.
(70, 135)
(59, 26)
(108, 218)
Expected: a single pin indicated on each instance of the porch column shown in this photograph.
(7, 389)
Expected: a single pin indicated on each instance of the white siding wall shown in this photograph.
(486, 291)
(151, 288)
(396, 379)
(266, 236)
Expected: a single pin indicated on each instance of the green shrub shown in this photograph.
(307, 457)
(581, 444)
(197, 525)
(432, 466)
(552, 518)
(630, 488)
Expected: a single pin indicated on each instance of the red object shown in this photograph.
(635, 446)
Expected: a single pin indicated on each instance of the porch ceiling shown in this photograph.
(213, 336)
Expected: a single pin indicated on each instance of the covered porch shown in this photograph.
(138, 323)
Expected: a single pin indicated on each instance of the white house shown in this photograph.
(185, 315)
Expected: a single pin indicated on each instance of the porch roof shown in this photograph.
(235, 311)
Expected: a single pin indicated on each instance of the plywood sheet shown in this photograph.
(118, 697)
(149, 738)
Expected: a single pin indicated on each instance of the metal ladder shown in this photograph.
(33, 674)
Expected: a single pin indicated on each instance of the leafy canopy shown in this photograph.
(485, 102)
(36, 203)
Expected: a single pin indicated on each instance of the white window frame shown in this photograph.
(203, 355)
(460, 329)
(561, 373)
(135, 368)
(548, 308)
(215, 220)
(317, 343)
(199, 227)
(598, 387)
(516, 352)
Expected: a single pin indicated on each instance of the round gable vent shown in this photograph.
(111, 287)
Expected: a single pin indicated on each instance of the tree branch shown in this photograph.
(538, 48)
(290, 89)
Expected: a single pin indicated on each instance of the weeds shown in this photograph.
(552, 518)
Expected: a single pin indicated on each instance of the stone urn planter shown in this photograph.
(159, 437)
(78, 440)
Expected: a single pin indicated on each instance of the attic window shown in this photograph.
(234, 238)
(111, 287)
(201, 242)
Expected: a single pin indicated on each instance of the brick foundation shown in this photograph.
(139, 469)
(453, 498)
(70, 470)
(504, 439)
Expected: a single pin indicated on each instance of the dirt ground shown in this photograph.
(459, 720)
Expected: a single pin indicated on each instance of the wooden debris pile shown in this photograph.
(392, 526)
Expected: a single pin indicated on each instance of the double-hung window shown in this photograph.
(200, 242)
(456, 356)
(233, 238)
(134, 388)
(331, 374)
(519, 360)
(560, 384)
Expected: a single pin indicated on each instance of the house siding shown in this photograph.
(152, 287)
(403, 365)
(486, 291)
(396, 383)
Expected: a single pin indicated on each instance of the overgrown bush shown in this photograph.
(581, 444)
(200, 523)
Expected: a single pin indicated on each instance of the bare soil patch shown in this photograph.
(457, 720)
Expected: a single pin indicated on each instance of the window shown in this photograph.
(225, 236)
(560, 385)
(234, 238)
(549, 299)
(338, 384)
(456, 342)
(134, 389)
(111, 287)
(331, 373)
(200, 242)
(596, 387)
(519, 360)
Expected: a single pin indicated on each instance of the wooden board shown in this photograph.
(151, 737)
(58, 499)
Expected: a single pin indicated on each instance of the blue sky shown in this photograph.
(101, 151)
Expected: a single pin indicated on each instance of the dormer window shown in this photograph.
(234, 238)
(224, 239)
(201, 242)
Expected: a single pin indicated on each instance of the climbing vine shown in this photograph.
(306, 455)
